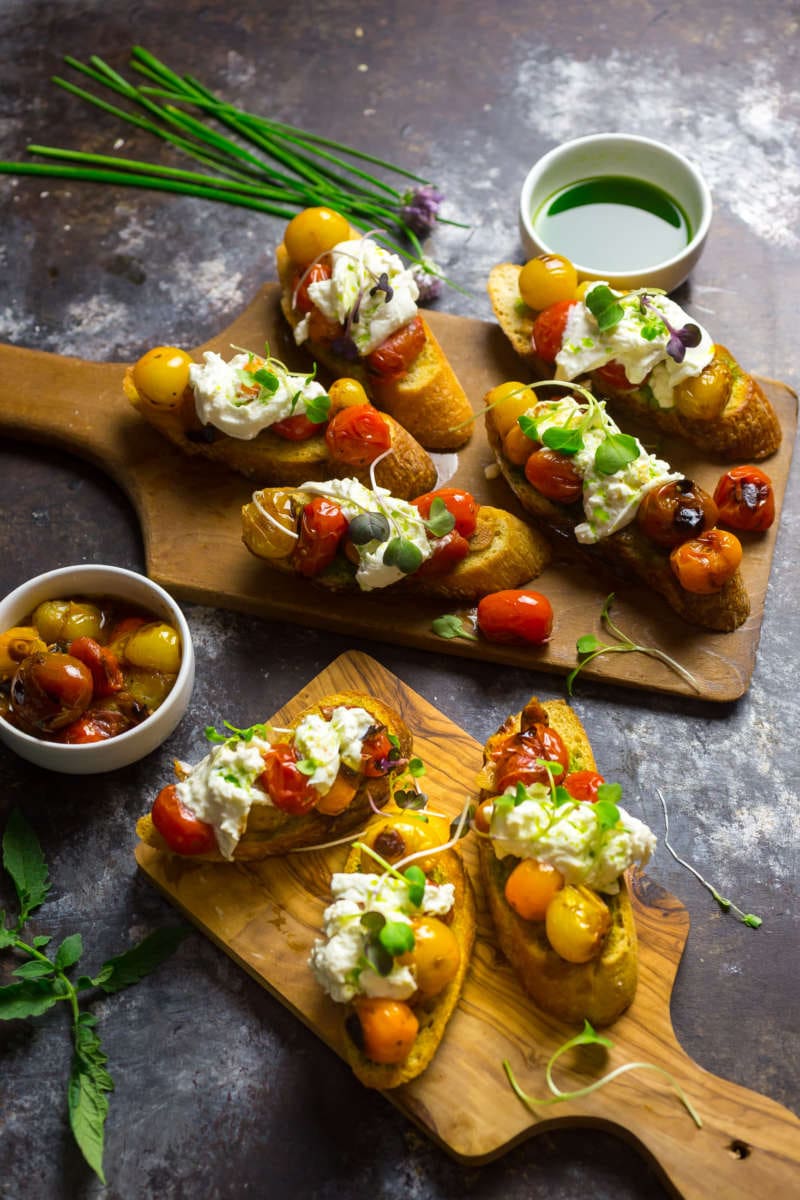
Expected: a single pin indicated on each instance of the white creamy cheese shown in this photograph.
(610, 502)
(328, 744)
(638, 342)
(338, 960)
(357, 266)
(237, 405)
(404, 521)
(220, 789)
(570, 838)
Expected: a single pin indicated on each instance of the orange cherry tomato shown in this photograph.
(515, 616)
(393, 358)
(583, 785)
(548, 330)
(612, 374)
(357, 435)
(448, 551)
(322, 329)
(675, 512)
(462, 505)
(483, 816)
(435, 958)
(297, 428)
(517, 761)
(103, 664)
(705, 564)
(287, 787)
(96, 725)
(517, 446)
(388, 1029)
(322, 527)
(316, 274)
(49, 691)
(531, 886)
(745, 499)
(553, 474)
(375, 751)
(182, 832)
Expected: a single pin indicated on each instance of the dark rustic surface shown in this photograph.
(220, 1092)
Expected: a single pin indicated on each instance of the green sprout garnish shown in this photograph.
(236, 735)
(452, 626)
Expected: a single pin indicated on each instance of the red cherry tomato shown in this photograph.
(322, 527)
(49, 691)
(583, 785)
(448, 551)
(182, 832)
(297, 428)
(463, 506)
(357, 435)
(392, 359)
(548, 330)
(103, 664)
(745, 499)
(94, 726)
(553, 474)
(302, 301)
(375, 751)
(515, 616)
(287, 787)
(518, 759)
(612, 374)
(676, 511)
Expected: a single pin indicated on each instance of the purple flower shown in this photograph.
(420, 208)
(429, 284)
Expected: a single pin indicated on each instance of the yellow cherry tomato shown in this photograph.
(576, 923)
(436, 956)
(312, 232)
(407, 833)
(703, 396)
(16, 644)
(345, 393)
(66, 620)
(531, 886)
(162, 375)
(581, 289)
(508, 401)
(546, 280)
(269, 522)
(388, 1029)
(156, 647)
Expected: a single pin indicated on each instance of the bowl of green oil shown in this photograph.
(622, 208)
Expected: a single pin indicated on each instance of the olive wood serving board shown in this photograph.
(189, 511)
(267, 915)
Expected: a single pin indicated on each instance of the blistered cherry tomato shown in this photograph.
(547, 279)
(375, 751)
(312, 232)
(392, 359)
(103, 664)
(515, 616)
(287, 787)
(448, 551)
(676, 511)
(705, 564)
(182, 831)
(553, 474)
(322, 527)
(320, 271)
(531, 886)
(583, 785)
(162, 375)
(612, 374)
(517, 761)
(548, 330)
(49, 691)
(388, 1029)
(577, 923)
(462, 505)
(297, 428)
(357, 435)
(745, 499)
(94, 726)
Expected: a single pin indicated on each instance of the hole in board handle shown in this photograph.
(739, 1149)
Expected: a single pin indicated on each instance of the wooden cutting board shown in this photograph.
(190, 515)
(267, 915)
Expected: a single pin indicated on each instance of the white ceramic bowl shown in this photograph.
(635, 157)
(91, 580)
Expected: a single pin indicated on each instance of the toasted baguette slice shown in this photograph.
(629, 553)
(599, 990)
(271, 459)
(745, 427)
(434, 1014)
(504, 552)
(272, 831)
(429, 401)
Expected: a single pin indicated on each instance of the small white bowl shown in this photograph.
(637, 158)
(128, 747)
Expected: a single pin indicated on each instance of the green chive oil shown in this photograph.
(613, 223)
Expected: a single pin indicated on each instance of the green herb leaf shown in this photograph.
(607, 813)
(615, 452)
(266, 379)
(552, 768)
(561, 796)
(378, 957)
(140, 960)
(612, 792)
(451, 626)
(368, 527)
(520, 794)
(40, 940)
(24, 861)
(416, 884)
(504, 803)
(466, 824)
(566, 441)
(318, 408)
(88, 1083)
(7, 936)
(440, 520)
(307, 766)
(29, 998)
(397, 938)
(69, 951)
(373, 922)
(416, 767)
(604, 307)
(409, 798)
(752, 920)
(403, 554)
(34, 969)
(213, 736)
(587, 644)
(528, 427)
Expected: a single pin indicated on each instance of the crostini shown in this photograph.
(345, 536)
(265, 790)
(554, 846)
(578, 475)
(396, 946)
(352, 304)
(271, 424)
(638, 349)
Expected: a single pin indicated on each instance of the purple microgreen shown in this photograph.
(368, 527)
(409, 798)
(680, 340)
(384, 286)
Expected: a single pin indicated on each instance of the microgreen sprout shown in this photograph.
(749, 919)
(608, 310)
(452, 626)
(590, 647)
(235, 734)
(589, 1037)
